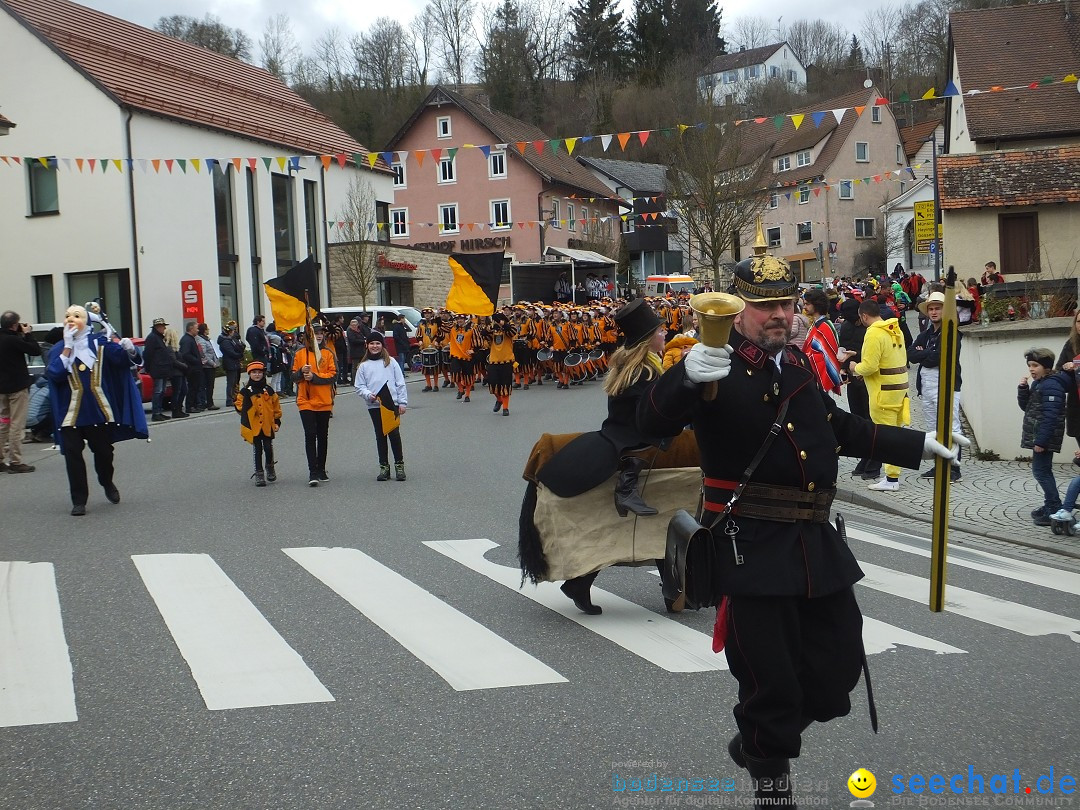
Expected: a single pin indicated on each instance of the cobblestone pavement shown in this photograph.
(994, 499)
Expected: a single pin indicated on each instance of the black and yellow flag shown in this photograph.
(288, 302)
(391, 419)
(476, 282)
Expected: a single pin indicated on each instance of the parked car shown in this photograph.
(387, 313)
(146, 382)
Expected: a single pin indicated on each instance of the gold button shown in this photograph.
(802, 455)
(765, 398)
(790, 426)
(810, 487)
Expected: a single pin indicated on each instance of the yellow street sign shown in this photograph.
(924, 225)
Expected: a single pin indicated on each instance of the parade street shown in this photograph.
(209, 644)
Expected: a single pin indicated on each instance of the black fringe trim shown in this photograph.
(534, 565)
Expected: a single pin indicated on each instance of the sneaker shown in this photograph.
(928, 474)
(214, 408)
(460, 394)
(384, 472)
(323, 476)
(159, 417)
(1062, 515)
(466, 399)
(496, 408)
(181, 415)
(399, 470)
(955, 474)
(1038, 513)
(506, 411)
(20, 468)
(885, 485)
(1041, 520)
(313, 479)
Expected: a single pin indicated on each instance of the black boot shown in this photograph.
(860, 467)
(772, 781)
(626, 494)
(578, 590)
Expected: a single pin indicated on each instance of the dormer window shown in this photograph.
(803, 158)
(783, 163)
(442, 126)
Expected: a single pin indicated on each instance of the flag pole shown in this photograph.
(313, 344)
(939, 539)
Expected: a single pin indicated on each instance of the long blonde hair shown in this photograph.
(627, 366)
(172, 339)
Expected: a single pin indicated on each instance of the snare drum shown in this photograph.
(596, 354)
(446, 355)
(573, 359)
(429, 358)
(543, 355)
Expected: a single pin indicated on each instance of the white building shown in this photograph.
(730, 76)
(165, 179)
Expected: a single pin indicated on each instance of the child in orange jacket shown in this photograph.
(260, 419)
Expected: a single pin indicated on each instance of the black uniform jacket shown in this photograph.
(797, 558)
(592, 458)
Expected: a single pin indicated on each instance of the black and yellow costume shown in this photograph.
(260, 417)
(500, 368)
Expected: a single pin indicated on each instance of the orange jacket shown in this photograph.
(673, 352)
(461, 343)
(319, 393)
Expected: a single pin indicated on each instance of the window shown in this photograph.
(399, 222)
(281, 194)
(497, 165)
(864, 229)
(399, 174)
(862, 152)
(626, 223)
(803, 158)
(253, 241)
(774, 200)
(442, 126)
(382, 222)
(446, 170)
(804, 195)
(500, 214)
(448, 222)
(791, 77)
(730, 77)
(571, 223)
(899, 154)
(847, 190)
(806, 232)
(753, 71)
(585, 224)
(875, 114)
(555, 214)
(45, 304)
(783, 164)
(773, 235)
(44, 196)
(774, 72)
(311, 219)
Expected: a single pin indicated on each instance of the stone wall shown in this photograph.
(427, 270)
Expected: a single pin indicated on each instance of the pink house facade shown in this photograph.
(463, 185)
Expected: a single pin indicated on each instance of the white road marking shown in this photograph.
(979, 560)
(36, 685)
(879, 637)
(972, 604)
(665, 643)
(463, 652)
(236, 657)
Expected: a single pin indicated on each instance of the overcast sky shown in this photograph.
(310, 20)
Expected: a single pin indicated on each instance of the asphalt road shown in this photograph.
(989, 684)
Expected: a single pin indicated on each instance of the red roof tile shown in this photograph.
(1015, 46)
(149, 71)
(916, 135)
(1020, 177)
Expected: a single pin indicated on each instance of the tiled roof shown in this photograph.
(638, 177)
(151, 72)
(741, 59)
(759, 139)
(1015, 46)
(560, 168)
(916, 135)
(1020, 177)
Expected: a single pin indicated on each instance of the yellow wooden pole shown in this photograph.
(939, 539)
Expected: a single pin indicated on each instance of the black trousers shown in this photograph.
(380, 439)
(72, 440)
(232, 384)
(262, 445)
(316, 428)
(796, 659)
(859, 404)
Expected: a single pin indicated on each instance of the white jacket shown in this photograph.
(371, 375)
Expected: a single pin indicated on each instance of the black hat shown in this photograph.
(637, 321)
(498, 317)
(376, 335)
(764, 278)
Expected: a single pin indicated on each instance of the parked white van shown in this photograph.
(387, 313)
(662, 285)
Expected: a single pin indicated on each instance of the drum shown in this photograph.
(543, 355)
(573, 359)
(596, 354)
(446, 355)
(429, 358)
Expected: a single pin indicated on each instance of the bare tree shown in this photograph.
(715, 187)
(280, 51)
(209, 33)
(879, 26)
(750, 31)
(549, 36)
(421, 46)
(818, 43)
(381, 56)
(356, 254)
(456, 38)
(332, 58)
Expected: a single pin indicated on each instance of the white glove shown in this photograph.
(704, 364)
(69, 337)
(932, 447)
(127, 346)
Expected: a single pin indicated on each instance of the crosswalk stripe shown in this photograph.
(236, 657)
(972, 604)
(463, 652)
(979, 560)
(665, 643)
(36, 685)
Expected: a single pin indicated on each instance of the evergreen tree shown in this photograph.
(649, 39)
(855, 54)
(598, 41)
(504, 64)
(694, 29)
